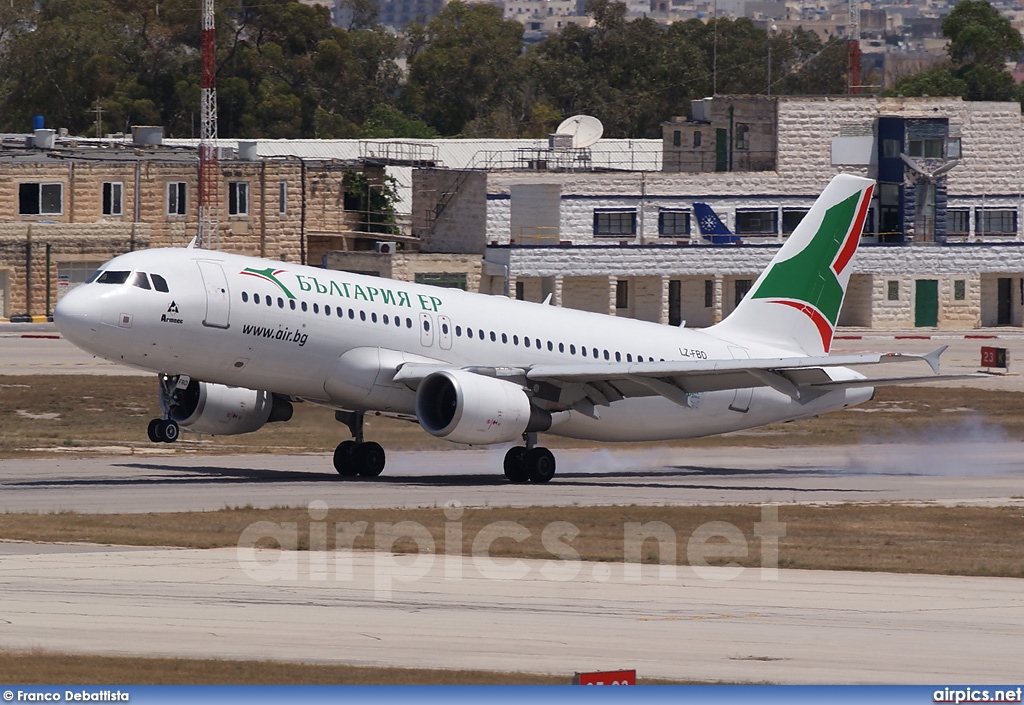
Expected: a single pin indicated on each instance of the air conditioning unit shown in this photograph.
(386, 248)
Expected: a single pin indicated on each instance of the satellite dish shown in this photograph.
(585, 130)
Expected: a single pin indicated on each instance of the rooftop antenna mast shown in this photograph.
(853, 83)
(208, 235)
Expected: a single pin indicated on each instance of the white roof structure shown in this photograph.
(620, 154)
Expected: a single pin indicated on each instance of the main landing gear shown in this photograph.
(357, 457)
(530, 463)
(165, 430)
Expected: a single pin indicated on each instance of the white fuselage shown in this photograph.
(329, 337)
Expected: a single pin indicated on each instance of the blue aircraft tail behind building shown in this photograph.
(711, 226)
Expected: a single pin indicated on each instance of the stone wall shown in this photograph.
(31, 255)
(588, 276)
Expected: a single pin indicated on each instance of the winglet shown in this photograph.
(192, 244)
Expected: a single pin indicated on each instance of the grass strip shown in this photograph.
(960, 540)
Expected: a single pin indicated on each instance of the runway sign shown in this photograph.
(994, 357)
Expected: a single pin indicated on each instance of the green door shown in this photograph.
(721, 149)
(926, 303)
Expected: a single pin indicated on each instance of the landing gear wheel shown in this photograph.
(169, 430)
(539, 464)
(369, 459)
(343, 458)
(515, 471)
(154, 431)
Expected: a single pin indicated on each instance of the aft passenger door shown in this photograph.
(218, 300)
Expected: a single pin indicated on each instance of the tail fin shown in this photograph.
(795, 302)
(711, 226)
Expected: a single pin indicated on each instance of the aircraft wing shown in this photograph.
(583, 386)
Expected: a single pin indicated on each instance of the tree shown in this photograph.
(464, 66)
(982, 40)
(980, 35)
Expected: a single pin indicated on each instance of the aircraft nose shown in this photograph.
(77, 316)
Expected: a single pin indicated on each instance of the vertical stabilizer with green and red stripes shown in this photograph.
(795, 302)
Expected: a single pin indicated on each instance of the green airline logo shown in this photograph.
(809, 277)
(269, 274)
(809, 281)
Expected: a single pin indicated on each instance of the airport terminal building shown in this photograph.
(606, 226)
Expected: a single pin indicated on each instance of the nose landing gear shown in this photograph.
(165, 430)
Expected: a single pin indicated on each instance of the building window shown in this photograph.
(959, 289)
(112, 197)
(742, 135)
(621, 294)
(930, 148)
(709, 293)
(891, 149)
(449, 280)
(742, 286)
(238, 198)
(282, 197)
(757, 222)
(677, 138)
(893, 290)
(615, 222)
(791, 218)
(995, 221)
(521, 291)
(40, 199)
(696, 138)
(889, 210)
(958, 221)
(673, 222)
(176, 198)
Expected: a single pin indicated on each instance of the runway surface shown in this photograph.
(804, 627)
(981, 472)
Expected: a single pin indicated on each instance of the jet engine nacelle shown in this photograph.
(220, 410)
(465, 407)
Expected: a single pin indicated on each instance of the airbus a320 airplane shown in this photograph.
(237, 340)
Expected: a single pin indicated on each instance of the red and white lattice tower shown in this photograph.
(853, 83)
(208, 235)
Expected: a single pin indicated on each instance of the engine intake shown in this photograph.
(465, 407)
(220, 410)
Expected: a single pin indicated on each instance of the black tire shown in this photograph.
(343, 458)
(369, 459)
(169, 430)
(515, 471)
(539, 464)
(155, 427)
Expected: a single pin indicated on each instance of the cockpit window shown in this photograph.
(141, 280)
(109, 277)
(159, 283)
(94, 276)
